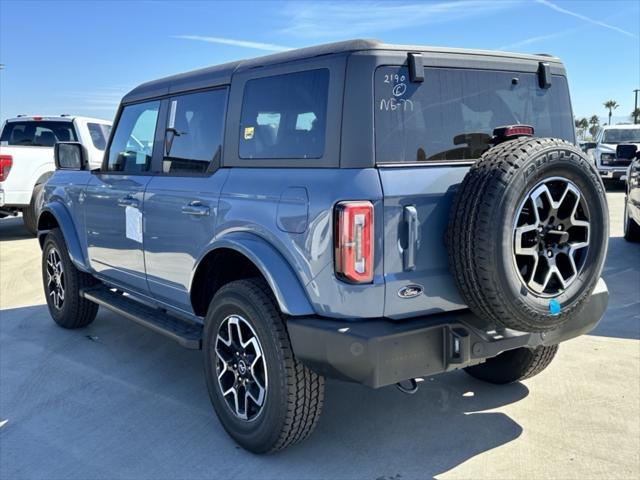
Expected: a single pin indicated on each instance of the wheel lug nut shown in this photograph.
(549, 253)
(559, 227)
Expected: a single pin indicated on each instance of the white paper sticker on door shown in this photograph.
(134, 224)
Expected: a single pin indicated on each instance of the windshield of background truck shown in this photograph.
(622, 135)
(451, 115)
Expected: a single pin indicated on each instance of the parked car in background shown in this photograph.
(603, 149)
(632, 194)
(314, 213)
(26, 157)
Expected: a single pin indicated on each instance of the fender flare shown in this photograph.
(67, 227)
(285, 284)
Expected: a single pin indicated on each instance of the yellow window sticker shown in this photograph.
(248, 133)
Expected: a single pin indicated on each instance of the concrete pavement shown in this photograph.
(117, 401)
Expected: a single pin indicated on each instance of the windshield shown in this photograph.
(451, 115)
(622, 135)
(38, 133)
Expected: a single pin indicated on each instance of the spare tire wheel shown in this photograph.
(527, 235)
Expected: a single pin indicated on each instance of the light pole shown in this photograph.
(635, 108)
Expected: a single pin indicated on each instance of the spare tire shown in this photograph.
(528, 232)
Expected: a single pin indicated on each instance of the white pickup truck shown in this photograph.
(604, 149)
(26, 157)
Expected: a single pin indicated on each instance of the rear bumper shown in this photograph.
(377, 353)
(9, 198)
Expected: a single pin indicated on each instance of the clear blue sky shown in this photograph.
(81, 57)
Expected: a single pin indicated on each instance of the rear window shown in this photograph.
(451, 115)
(38, 133)
(99, 133)
(284, 116)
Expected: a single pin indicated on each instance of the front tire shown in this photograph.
(514, 365)
(63, 282)
(265, 399)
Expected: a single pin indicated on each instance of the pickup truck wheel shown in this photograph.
(31, 213)
(631, 228)
(527, 234)
(62, 284)
(265, 399)
(514, 365)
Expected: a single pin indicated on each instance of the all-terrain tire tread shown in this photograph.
(81, 311)
(305, 388)
(471, 222)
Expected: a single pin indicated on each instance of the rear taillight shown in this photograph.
(354, 241)
(5, 166)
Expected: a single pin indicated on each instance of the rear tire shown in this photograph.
(293, 395)
(63, 282)
(31, 213)
(514, 365)
(631, 228)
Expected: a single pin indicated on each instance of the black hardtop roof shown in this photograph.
(221, 74)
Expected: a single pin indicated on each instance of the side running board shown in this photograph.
(188, 334)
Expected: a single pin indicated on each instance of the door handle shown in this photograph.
(128, 201)
(410, 215)
(195, 208)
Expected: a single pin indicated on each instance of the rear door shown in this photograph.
(115, 199)
(181, 201)
(427, 135)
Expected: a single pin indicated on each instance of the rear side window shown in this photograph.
(38, 133)
(132, 145)
(99, 133)
(193, 140)
(284, 116)
(451, 115)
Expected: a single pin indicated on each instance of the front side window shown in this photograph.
(132, 145)
(285, 116)
(452, 114)
(99, 133)
(36, 133)
(193, 140)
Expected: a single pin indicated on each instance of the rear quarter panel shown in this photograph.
(271, 203)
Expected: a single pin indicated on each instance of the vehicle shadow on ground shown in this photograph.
(622, 275)
(12, 228)
(115, 400)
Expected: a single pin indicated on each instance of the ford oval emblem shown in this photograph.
(410, 291)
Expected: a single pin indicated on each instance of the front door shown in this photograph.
(114, 200)
(181, 201)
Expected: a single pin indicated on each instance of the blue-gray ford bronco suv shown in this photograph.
(361, 211)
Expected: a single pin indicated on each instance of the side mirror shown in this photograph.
(70, 156)
(589, 146)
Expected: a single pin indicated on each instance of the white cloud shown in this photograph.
(351, 19)
(584, 18)
(270, 47)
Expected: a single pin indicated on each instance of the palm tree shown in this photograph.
(594, 121)
(581, 126)
(611, 105)
(635, 115)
